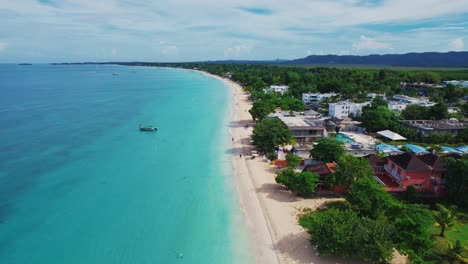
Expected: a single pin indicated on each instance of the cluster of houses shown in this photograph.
(398, 103)
(398, 169)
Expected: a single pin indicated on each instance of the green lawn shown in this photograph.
(458, 232)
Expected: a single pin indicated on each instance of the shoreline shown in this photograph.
(270, 213)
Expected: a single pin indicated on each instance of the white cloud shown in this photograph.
(237, 51)
(3, 46)
(169, 50)
(366, 43)
(457, 44)
(207, 29)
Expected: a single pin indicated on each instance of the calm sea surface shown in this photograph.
(80, 184)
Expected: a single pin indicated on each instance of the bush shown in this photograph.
(303, 183)
(346, 234)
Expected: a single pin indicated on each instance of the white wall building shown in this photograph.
(397, 105)
(345, 108)
(463, 84)
(277, 88)
(412, 100)
(308, 98)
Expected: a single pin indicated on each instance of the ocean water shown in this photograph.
(80, 184)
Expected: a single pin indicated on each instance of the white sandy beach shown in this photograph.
(270, 212)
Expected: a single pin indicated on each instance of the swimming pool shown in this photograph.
(343, 137)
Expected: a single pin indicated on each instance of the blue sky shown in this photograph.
(187, 30)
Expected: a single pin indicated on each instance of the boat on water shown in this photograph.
(148, 128)
(115, 73)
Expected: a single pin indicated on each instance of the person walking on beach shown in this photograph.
(240, 155)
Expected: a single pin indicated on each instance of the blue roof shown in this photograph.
(415, 148)
(463, 149)
(449, 150)
(387, 148)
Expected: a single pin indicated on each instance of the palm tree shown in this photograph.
(454, 253)
(445, 217)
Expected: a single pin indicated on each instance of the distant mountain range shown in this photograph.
(425, 59)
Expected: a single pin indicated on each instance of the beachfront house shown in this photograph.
(377, 164)
(276, 88)
(309, 98)
(344, 109)
(425, 172)
(306, 126)
(428, 127)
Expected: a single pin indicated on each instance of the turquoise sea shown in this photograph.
(79, 183)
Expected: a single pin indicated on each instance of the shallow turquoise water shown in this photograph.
(80, 184)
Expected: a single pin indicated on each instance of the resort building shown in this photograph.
(277, 88)
(463, 84)
(412, 100)
(308, 98)
(428, 127)
(397, 105)
(344, 109)
(305, 126)
(424, 172)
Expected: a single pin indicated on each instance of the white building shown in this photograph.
(308, 98)
(412, 100)
(397, 105)
(463, 84)
(277, 88)
(345, 108)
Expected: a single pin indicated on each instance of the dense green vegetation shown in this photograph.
(270, 133)
(328, 150)
(351, 83)
(388, 224)
(457, 181)
(302, 183)
(349, 169)
(345, 233)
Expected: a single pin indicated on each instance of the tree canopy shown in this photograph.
(260, 109)
(328, 150)
(380, 118)
(270, 133)
(302, 183)
(344, 233)
(293, 160)
(349, 169)
(368, 198)
(457, 181)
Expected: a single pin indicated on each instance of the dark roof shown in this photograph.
(429, 158)
(320, 168)
(375, 160)
(408, 161)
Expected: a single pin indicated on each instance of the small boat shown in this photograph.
(148, 128)
(115, 73)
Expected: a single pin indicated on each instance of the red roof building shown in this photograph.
(424, 172)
